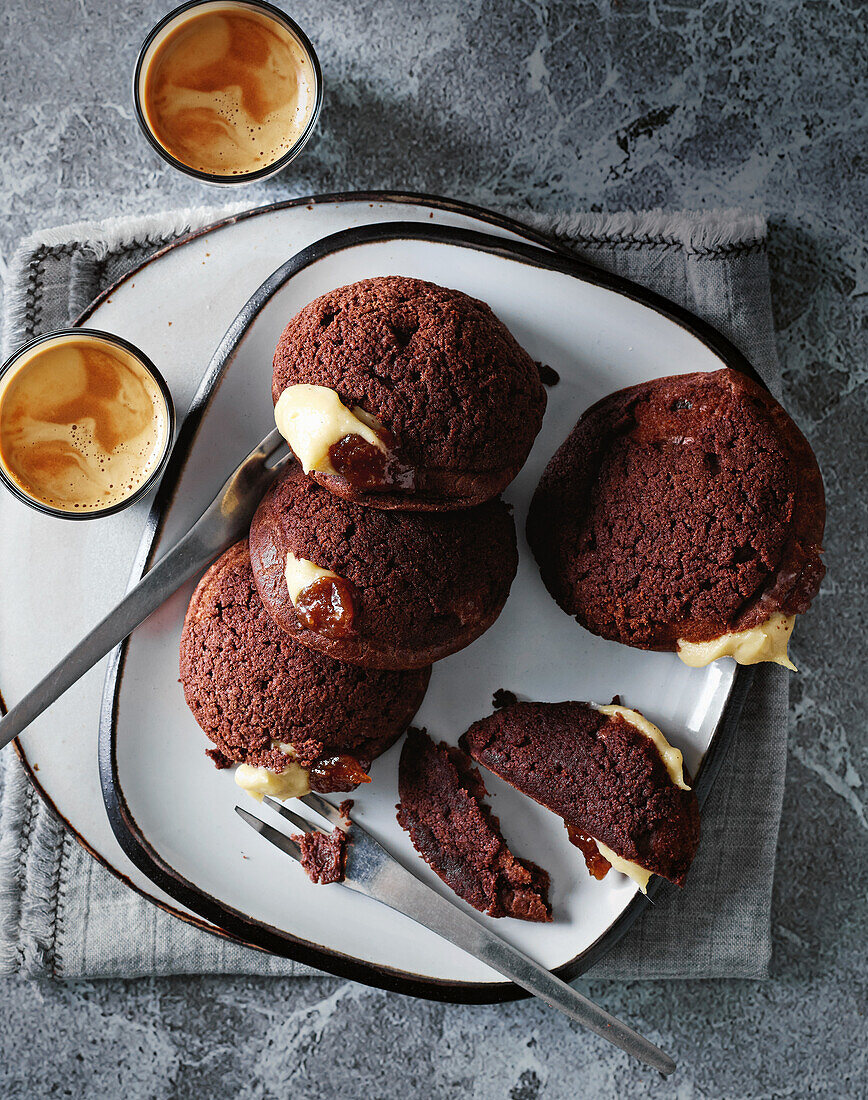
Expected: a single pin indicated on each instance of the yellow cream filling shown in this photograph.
(292, 782)
(671, 757)
(301, 574)
(766, 642)
(674, 762)
(640, 875)
(313, 418)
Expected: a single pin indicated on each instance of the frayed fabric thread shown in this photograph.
(698, 232)
(101, 239)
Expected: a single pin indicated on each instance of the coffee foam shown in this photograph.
(83, 424)
(228, 90)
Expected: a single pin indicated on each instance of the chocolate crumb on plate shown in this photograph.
(323, 855)
(548, 375)
(456, 833)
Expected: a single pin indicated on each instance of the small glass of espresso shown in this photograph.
(86, 424)
(227, 91)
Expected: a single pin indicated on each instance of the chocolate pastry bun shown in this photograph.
(684, 514)
(378, 588)
(456, 833)
(608, 772)
(293, 719)
(397, 393)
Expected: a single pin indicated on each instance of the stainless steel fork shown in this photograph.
(225, 520)
(371, 870)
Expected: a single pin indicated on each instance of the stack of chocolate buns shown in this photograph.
(384, 547)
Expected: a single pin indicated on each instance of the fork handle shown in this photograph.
(397, 888)
(191, 554)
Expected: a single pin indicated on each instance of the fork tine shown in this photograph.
(290, 847)
(296, 819)
(325, 809)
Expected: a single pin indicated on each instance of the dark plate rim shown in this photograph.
(233, 923)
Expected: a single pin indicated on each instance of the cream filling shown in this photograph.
(292, 782)
(313, 418)
(674, 763)
(671, 757)
(301, 574)
(766, 642)
(640, 875)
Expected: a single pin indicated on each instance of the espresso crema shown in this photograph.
(83, 424)
(228, 90)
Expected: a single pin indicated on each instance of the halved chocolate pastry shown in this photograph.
(609, 773)
(456, 833)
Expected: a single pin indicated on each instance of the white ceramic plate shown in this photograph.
(172, 812)
(59, 578)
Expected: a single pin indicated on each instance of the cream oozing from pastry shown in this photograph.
(313, 418)
(766, 642)
(640, 875)
(292, 782)
(301, 574)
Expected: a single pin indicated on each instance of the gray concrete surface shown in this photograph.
(600, 105)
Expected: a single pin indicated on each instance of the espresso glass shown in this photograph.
(162, 31)
(18, 361)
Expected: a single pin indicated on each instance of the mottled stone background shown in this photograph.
(603, 105)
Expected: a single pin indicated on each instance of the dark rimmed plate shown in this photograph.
(172, 814)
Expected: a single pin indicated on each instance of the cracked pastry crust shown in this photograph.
(462, 401)
(680, 509)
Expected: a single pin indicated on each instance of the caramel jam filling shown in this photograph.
(328, 437)
(82, 424)
(598, 866)
(338, 773)
(328, 606)
(369, 469)
(323, 601)
(228, 90)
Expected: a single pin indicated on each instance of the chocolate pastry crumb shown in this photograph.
(344, 810)
(323, 855)
(220, 761)
(456, 833)
(503, 698)
(548, 375)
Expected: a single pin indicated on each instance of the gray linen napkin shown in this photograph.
(62, 914)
